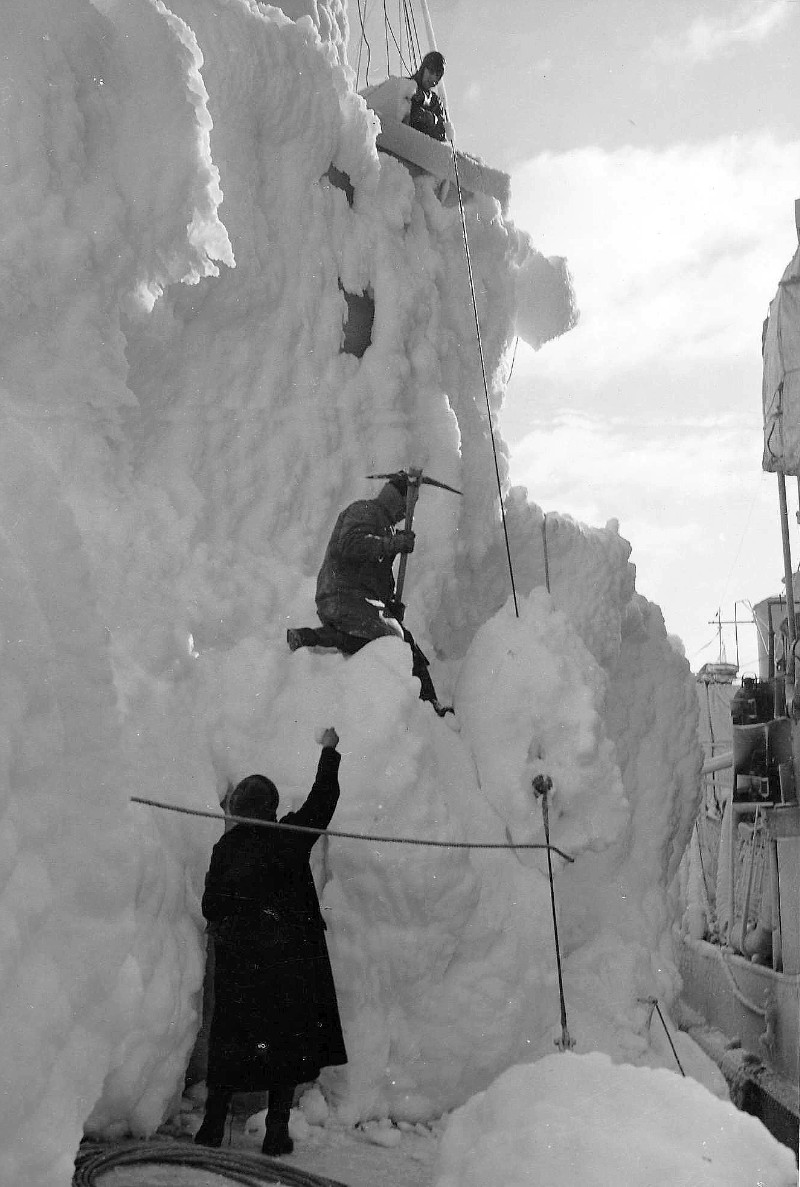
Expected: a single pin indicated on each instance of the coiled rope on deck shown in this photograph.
(253, 1170)
(329, 832)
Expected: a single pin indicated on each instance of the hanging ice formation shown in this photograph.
(180, 427)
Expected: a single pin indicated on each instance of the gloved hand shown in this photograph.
(401, 541)
(394, 609)
(328, 737)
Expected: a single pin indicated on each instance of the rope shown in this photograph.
(544, 550)
(362, 42)
(483, 373)
(386, 33)
(669, 1036)
(413, 35)
(513, 360)
(328, 832)
(652, 1002)
(254, 1170)
(710, 915)
(398, 47)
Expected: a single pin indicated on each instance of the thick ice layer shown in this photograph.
(581, 1121)
(180, 431)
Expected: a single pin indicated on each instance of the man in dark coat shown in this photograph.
(427, 114)
(276, 1021)
(355, 586)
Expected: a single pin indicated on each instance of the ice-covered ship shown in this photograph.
(741, 941)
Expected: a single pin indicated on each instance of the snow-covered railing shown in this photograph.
(720, 762)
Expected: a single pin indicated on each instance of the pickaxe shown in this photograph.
(415, 479)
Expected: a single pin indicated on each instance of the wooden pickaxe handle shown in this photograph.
(412, 494)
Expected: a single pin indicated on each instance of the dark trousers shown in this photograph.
(328, 635)
(219, 1099)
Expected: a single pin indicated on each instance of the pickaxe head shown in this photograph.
(403, 479)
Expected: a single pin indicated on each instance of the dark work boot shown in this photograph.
(301, 636)
(276, 1139)
(212, 1131)
(276, 1133)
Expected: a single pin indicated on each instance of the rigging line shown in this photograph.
(756, 623)
(409, 38)
(386, 34)
(329, 832)
(364, 41)
(397, 46)
(360, 43)
(652, 1002)
(483, 372)
(702, 865)
(416, 50)
(756, 493)
(669, 1036)
(705, 647)
(513, 360)
(410, 10)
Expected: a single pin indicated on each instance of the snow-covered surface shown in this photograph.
(391, 98)
(571, 1120)
(581, 1121)
(180, 430)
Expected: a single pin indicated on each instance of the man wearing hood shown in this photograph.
(427, 114)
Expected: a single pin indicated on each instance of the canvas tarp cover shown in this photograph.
(781, 384)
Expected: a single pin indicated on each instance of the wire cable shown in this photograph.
(362, 16)
(513, 360)
(398, 47)
(329, 832)
(409, 38)
(386, 33)
(483, 373)
(418, 51)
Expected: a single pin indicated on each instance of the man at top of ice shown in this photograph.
(355, 586)
(427, 114)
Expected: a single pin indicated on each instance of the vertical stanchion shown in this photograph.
(544, 547)
(541, 786)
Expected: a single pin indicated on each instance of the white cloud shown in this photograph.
(590, 465)
(649, 411)
(689, 495)
(675, 253)
(708, 38)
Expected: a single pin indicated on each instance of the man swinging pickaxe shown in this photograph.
(357, 599)
(414, 479)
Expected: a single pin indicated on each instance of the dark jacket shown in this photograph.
(427, 113)
(276, 1019)
(357, 567)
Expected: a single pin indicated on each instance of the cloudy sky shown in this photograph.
(656, 146)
